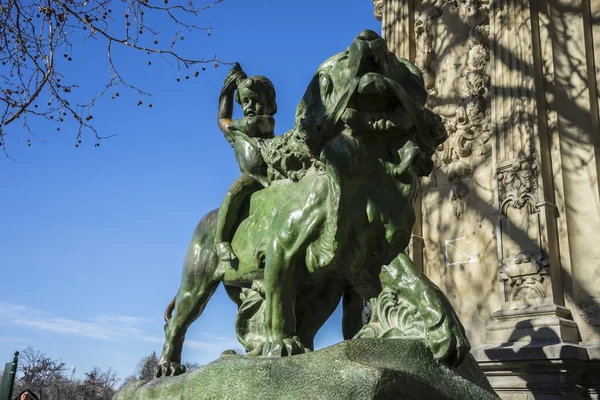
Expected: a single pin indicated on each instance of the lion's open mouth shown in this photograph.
(367, 65)
(380, 108)
(366, 98)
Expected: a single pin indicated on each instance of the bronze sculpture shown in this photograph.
(320, 212)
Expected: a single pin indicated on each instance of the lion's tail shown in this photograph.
(169, 310)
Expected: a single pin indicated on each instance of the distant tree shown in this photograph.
(97, 385)
(146, 367)
(190, 366)
(48, 379)
(36, 42)
(40, 373)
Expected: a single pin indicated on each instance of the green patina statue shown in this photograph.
(321, 213)
(256, 95)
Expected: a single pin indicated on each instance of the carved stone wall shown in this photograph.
(450, 44)
(511, 215)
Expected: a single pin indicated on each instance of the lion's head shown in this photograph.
(370, 91)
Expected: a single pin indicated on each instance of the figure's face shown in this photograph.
(252, 103)
(25, 396)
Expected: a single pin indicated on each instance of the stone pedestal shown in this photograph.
(511, 214)
(541, 370)
(395, 369)
(544, 322)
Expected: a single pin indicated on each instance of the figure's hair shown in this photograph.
(260, 84)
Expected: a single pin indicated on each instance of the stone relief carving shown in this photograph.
(378, 9)
(469, 129)
(524, 275)
(425, 37)
(517, 182)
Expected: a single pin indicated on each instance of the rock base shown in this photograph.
(399, 369)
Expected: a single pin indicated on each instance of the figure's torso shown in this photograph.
(250, 133)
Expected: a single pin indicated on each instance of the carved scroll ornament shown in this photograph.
(378, 9)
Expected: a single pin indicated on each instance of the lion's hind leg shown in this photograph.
(199, 281)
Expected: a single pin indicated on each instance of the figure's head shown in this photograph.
(256, 95)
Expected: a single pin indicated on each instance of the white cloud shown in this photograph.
(104, 327)
(217, 342)
(218, 345)
(121, 319)
(62, 325)
(12, 309)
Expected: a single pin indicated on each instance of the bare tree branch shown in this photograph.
(32, 33)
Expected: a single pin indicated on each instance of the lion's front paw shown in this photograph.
(168, 369)
(448, 341)
(283, 347)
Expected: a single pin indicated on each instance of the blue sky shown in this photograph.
(92, 239)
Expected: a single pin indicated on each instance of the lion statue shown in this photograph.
(331, 221)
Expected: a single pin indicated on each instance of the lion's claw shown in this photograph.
(168, 369)
(283, 347)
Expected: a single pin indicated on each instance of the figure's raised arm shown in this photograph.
(226, 100)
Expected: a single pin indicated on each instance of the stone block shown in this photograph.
(399, 369)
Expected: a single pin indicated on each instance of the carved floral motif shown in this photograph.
(470, 125)
(517, 182)
(517, 185)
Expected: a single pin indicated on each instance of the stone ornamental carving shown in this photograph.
(378, 9)
(469, 129)
(425, 55)
(517, 183)
(524, 276)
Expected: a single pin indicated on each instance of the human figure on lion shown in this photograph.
(256, 95)
(339, 213)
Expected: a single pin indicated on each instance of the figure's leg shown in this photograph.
(281, 277)
(229, 214)
(198, 283)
